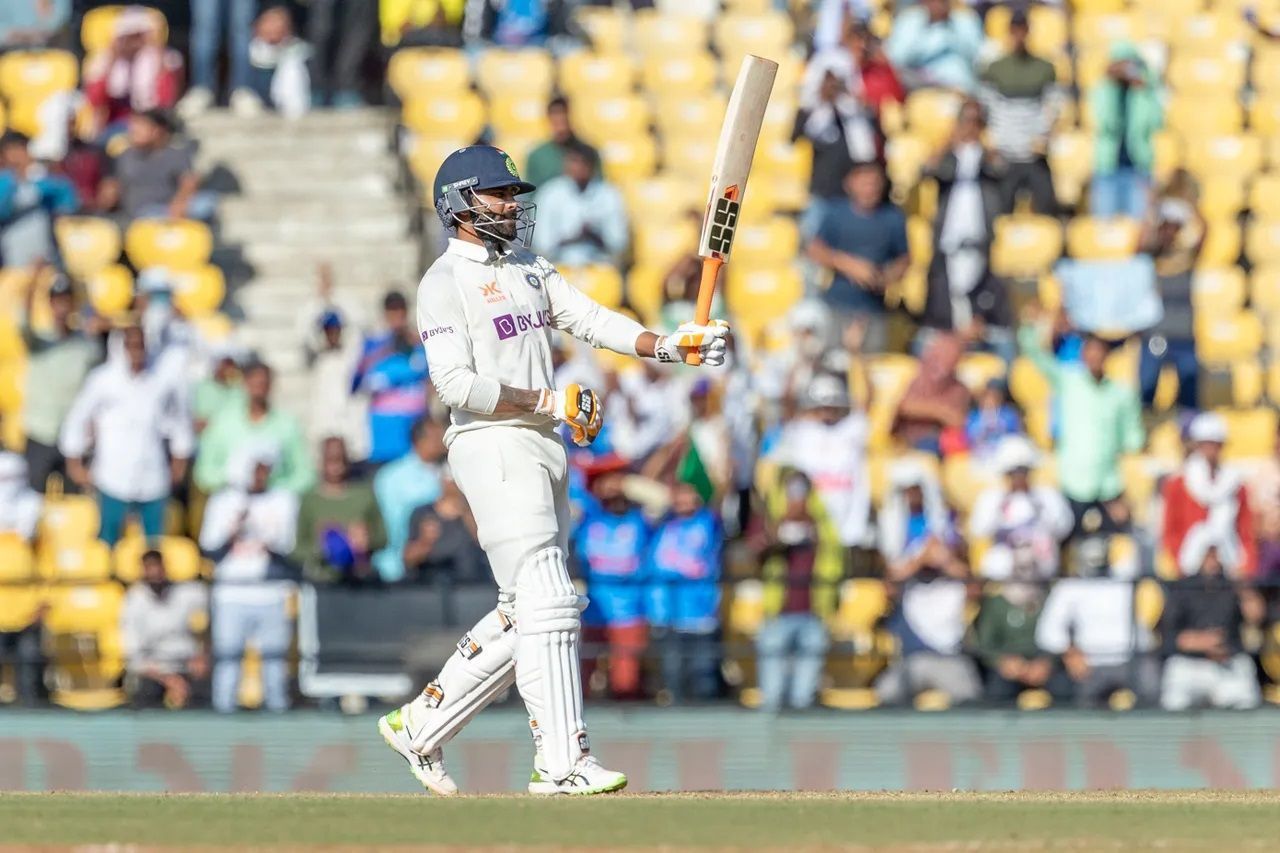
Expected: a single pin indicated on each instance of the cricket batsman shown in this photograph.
(486, 311)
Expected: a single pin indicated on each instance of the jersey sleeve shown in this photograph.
(574, 312)
(442, 325)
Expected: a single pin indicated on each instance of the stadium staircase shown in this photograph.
(297, 193)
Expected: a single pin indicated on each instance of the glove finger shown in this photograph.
(718, 329)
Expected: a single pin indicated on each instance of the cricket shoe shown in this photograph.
(588, 777)
(427, 769)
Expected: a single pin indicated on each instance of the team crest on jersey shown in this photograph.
(432, 695)
(468, 647)
(492, 293)
(533, 281)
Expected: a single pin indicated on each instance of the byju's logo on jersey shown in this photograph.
(438, 330)
(510, 325)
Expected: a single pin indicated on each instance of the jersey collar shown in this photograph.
(470, 251)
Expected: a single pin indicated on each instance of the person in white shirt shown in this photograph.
(19, 503)
(486, 309)
(584, 219)
(248, 529)
(158, 637)
(1025, 524)
(136, 420)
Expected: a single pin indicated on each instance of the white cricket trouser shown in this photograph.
(1192, 681)
(515, 479)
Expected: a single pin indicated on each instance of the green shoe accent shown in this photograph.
(535, 776)
(393, 720)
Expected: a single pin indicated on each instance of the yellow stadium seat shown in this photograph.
(661, 242)
(181, 558)
(964, 478)
(199, 292)
(1222, 197)
(863, 603)
(770, 243)
(19, 607)
(662, 195)
(1204, 116)
(1273, 382)
(178, 244)
(1025, 246)
(1048, 36)
(37, 74)
(1027, 385)
(1262, 241)
(601, 282)
(746, 608)
(1168, 150)
(1251, 433)
(1247, 383)
(628, 159)
(920, 240)
(1238, 156)
(785, 168)
(1092, 238)
(688, 156)
(890, 375)
(594, 75)
(425, 156)
(98, 27)
(758, 296)
(445, 115)
(500, 71)
(1091, 68)
(779, 118)
(1098, 29)
(82, 562)
(1218, 291)
(1266, 73)
(69, 519)
(518, 115)
(1205, 74)
(17, 565)
(1264, 115)
(931, 113)
(976, 369)
(1071, 161)
(1216, 31)
(111, 290)
(665, 75)
(605, 27)
(669, 34)
(677, 113)
(600, 119)
(1221, 245)
(1264, 290)
(1264, 196)
(767, 34)
(26, 115)
(1227, 338)
(87, 244)
(905, 155)
(644, 290)
(417, 71)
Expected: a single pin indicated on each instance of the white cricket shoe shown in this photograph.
(589, 776)
(246, 103)
(196, 102)
(427, 769)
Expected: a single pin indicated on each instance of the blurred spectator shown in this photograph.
(963, 295)
(1089, 622)
(785, 375)
(992, 420)
(249, 528)
(21, 647)
(334, 410)
(136, 73)
(1099, 420)
(221, 389)
(527, 23)
(584, 219)
(415, 23)
(442, 541)
(138, 425)
(932, 44)
(1005, 637)
(85, 165)
(257, 421)
(863, 243)
(546, 161)
(684, 605)
(339, 526)
(158, 636)
(841, 134)
(929, 583)
(1264, 497)
(30, 198)
(700, 453)
(933, 410)
(1200, 628)
(402, 486)
(1024, 524)
(58, 359)
(1021, 94)
(609, 545)
(19, 503)
(392, 371)
(278, 74)
(1206, 492)
(1127, 111)
(859, 62)
(834, 18)
(341, 33)
(1173, 235)
(32, 23)
(802, 564)
(215, 24)
(155, 177)
(827, 442)
(171, 338)
(645, 409)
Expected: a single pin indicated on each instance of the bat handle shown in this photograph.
(706, 293)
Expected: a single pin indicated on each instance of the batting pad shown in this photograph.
(547, 668)
(479, 670)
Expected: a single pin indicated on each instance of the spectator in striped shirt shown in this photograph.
(1022, 98)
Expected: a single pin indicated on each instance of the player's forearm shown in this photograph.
(517, 401)
(647, 345)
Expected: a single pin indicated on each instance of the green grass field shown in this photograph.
(1200, 821)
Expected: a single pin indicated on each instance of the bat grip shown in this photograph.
(706, 293)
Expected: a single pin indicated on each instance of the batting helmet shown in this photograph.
(476, 168)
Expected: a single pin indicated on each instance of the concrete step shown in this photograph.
(337, 188)
(313, 234)
(242, 209)
(283, 142)
(304, 168)
(222, 122)
(386, 262)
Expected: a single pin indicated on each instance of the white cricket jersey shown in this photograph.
(486, 321)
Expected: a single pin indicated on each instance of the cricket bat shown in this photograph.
(737, 145)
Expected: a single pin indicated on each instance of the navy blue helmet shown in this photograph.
(473, 169)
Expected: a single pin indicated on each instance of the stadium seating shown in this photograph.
(98, 26)
(181, 558)
(110, 290)
(414, 71)
(83, 625)
(596, 75)
(176, 244)
(69, 519)
(88, 561)
(529, 71)
(17, 564)
(34, 75)
(442, 115)
(199, 292)
(87, 244)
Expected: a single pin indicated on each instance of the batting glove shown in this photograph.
(578, 407)
(708, 340)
